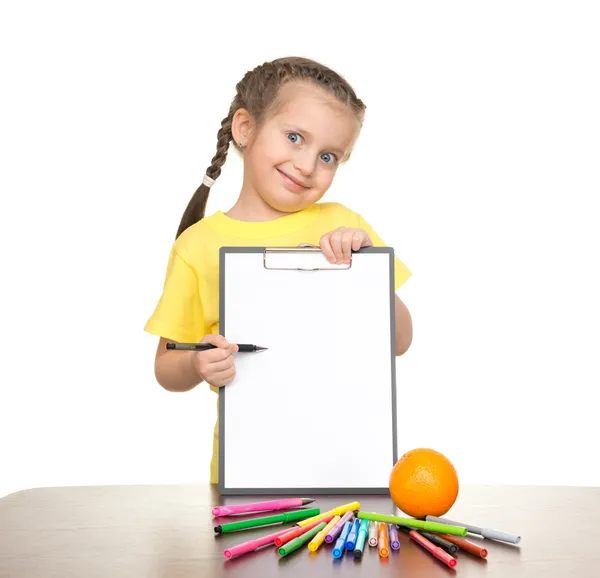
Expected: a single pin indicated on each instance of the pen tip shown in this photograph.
(307, 501)
(259, 348)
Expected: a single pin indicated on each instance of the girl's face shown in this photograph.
(290, 163)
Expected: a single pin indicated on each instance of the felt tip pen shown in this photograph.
(242, 347)
(431, 548)
(488, 533)
(298, 531)
(277, 519)
(337, 511)
(382, 541)
(372, 533)
(413, 522)
(338, 549)
(466, 545)
(300, 540)
(351, 541)
(314, 544)
(363, 534)
(268, 506)
(441, 542)
(394, 538)
(336, 530)
(252, 545)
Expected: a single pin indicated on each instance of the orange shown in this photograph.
(423, 483)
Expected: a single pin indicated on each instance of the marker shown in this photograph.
(394, 538)
(297, 531)
(443, 544)
(269, 506)
(351, 541)
(382, 541)
(314, 544)
(466, 545)
(244, 347)
(279, 518)
(429, 526)
(372, 533)
(300, 540)
(363, 533)
(252, 545)
(431, 548)
(338, 549)
(337, 511)
(335, 531)
(485, 532)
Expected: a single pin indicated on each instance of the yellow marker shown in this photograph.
(338, 511)
(314, 544)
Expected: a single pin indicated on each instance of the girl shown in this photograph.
(294, 121)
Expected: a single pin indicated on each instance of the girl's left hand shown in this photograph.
(338, 245)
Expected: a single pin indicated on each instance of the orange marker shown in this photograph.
(383, 542)
(466, 545)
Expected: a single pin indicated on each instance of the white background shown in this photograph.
(478, 162)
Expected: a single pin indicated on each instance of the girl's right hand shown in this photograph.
(216, 366)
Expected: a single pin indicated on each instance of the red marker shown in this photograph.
(433, 549)
(466, 545)
(285, 538)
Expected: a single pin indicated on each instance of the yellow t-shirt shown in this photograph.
(189, 306)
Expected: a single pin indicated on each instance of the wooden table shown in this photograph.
(167, 531)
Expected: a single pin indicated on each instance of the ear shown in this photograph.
(242, 126)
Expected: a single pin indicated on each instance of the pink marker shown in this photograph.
(261, 506)
(252, 545)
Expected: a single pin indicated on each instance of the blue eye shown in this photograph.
(293, 134)
(329, 155)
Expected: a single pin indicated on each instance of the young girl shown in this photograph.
(294, 121)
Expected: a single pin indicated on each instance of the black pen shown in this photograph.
(245, 347)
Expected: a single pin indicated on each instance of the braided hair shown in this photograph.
(258, 93)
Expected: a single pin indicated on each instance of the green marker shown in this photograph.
(279, 518)
(429, 526)
(300, 540)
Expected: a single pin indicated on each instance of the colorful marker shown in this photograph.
(335, 531)
(394, 538)
(338, 549)
(300, 540)
(372, 533)
(466, 545)
(429, 526)
(268, 506)
(314, 544)
(488, 533)
(363, 533)
(337, 511)
(252, 545)
(351, 541)
(382, 541)
(431, 548)
(279, 518)
(297, 531)
(438, 541)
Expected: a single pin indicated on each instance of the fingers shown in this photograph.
(338, 245)
(216, 340)
(326, 248)
(223, 377)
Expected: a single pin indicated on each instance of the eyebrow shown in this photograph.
(339, 152)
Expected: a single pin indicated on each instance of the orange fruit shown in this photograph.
(423, 483)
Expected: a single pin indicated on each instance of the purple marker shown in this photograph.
(394, 538)
(336, 530)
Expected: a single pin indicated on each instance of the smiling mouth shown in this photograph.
(293, 180)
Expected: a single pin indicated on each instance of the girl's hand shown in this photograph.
(338, 245)
(216, 366)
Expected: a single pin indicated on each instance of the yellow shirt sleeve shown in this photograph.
(401, 271)
(178, 314)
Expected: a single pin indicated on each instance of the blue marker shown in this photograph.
(363, 534)
(338, 549)
(351, 541)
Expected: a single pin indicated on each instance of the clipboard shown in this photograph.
(316, 412)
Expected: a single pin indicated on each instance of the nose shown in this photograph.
(304, 162)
